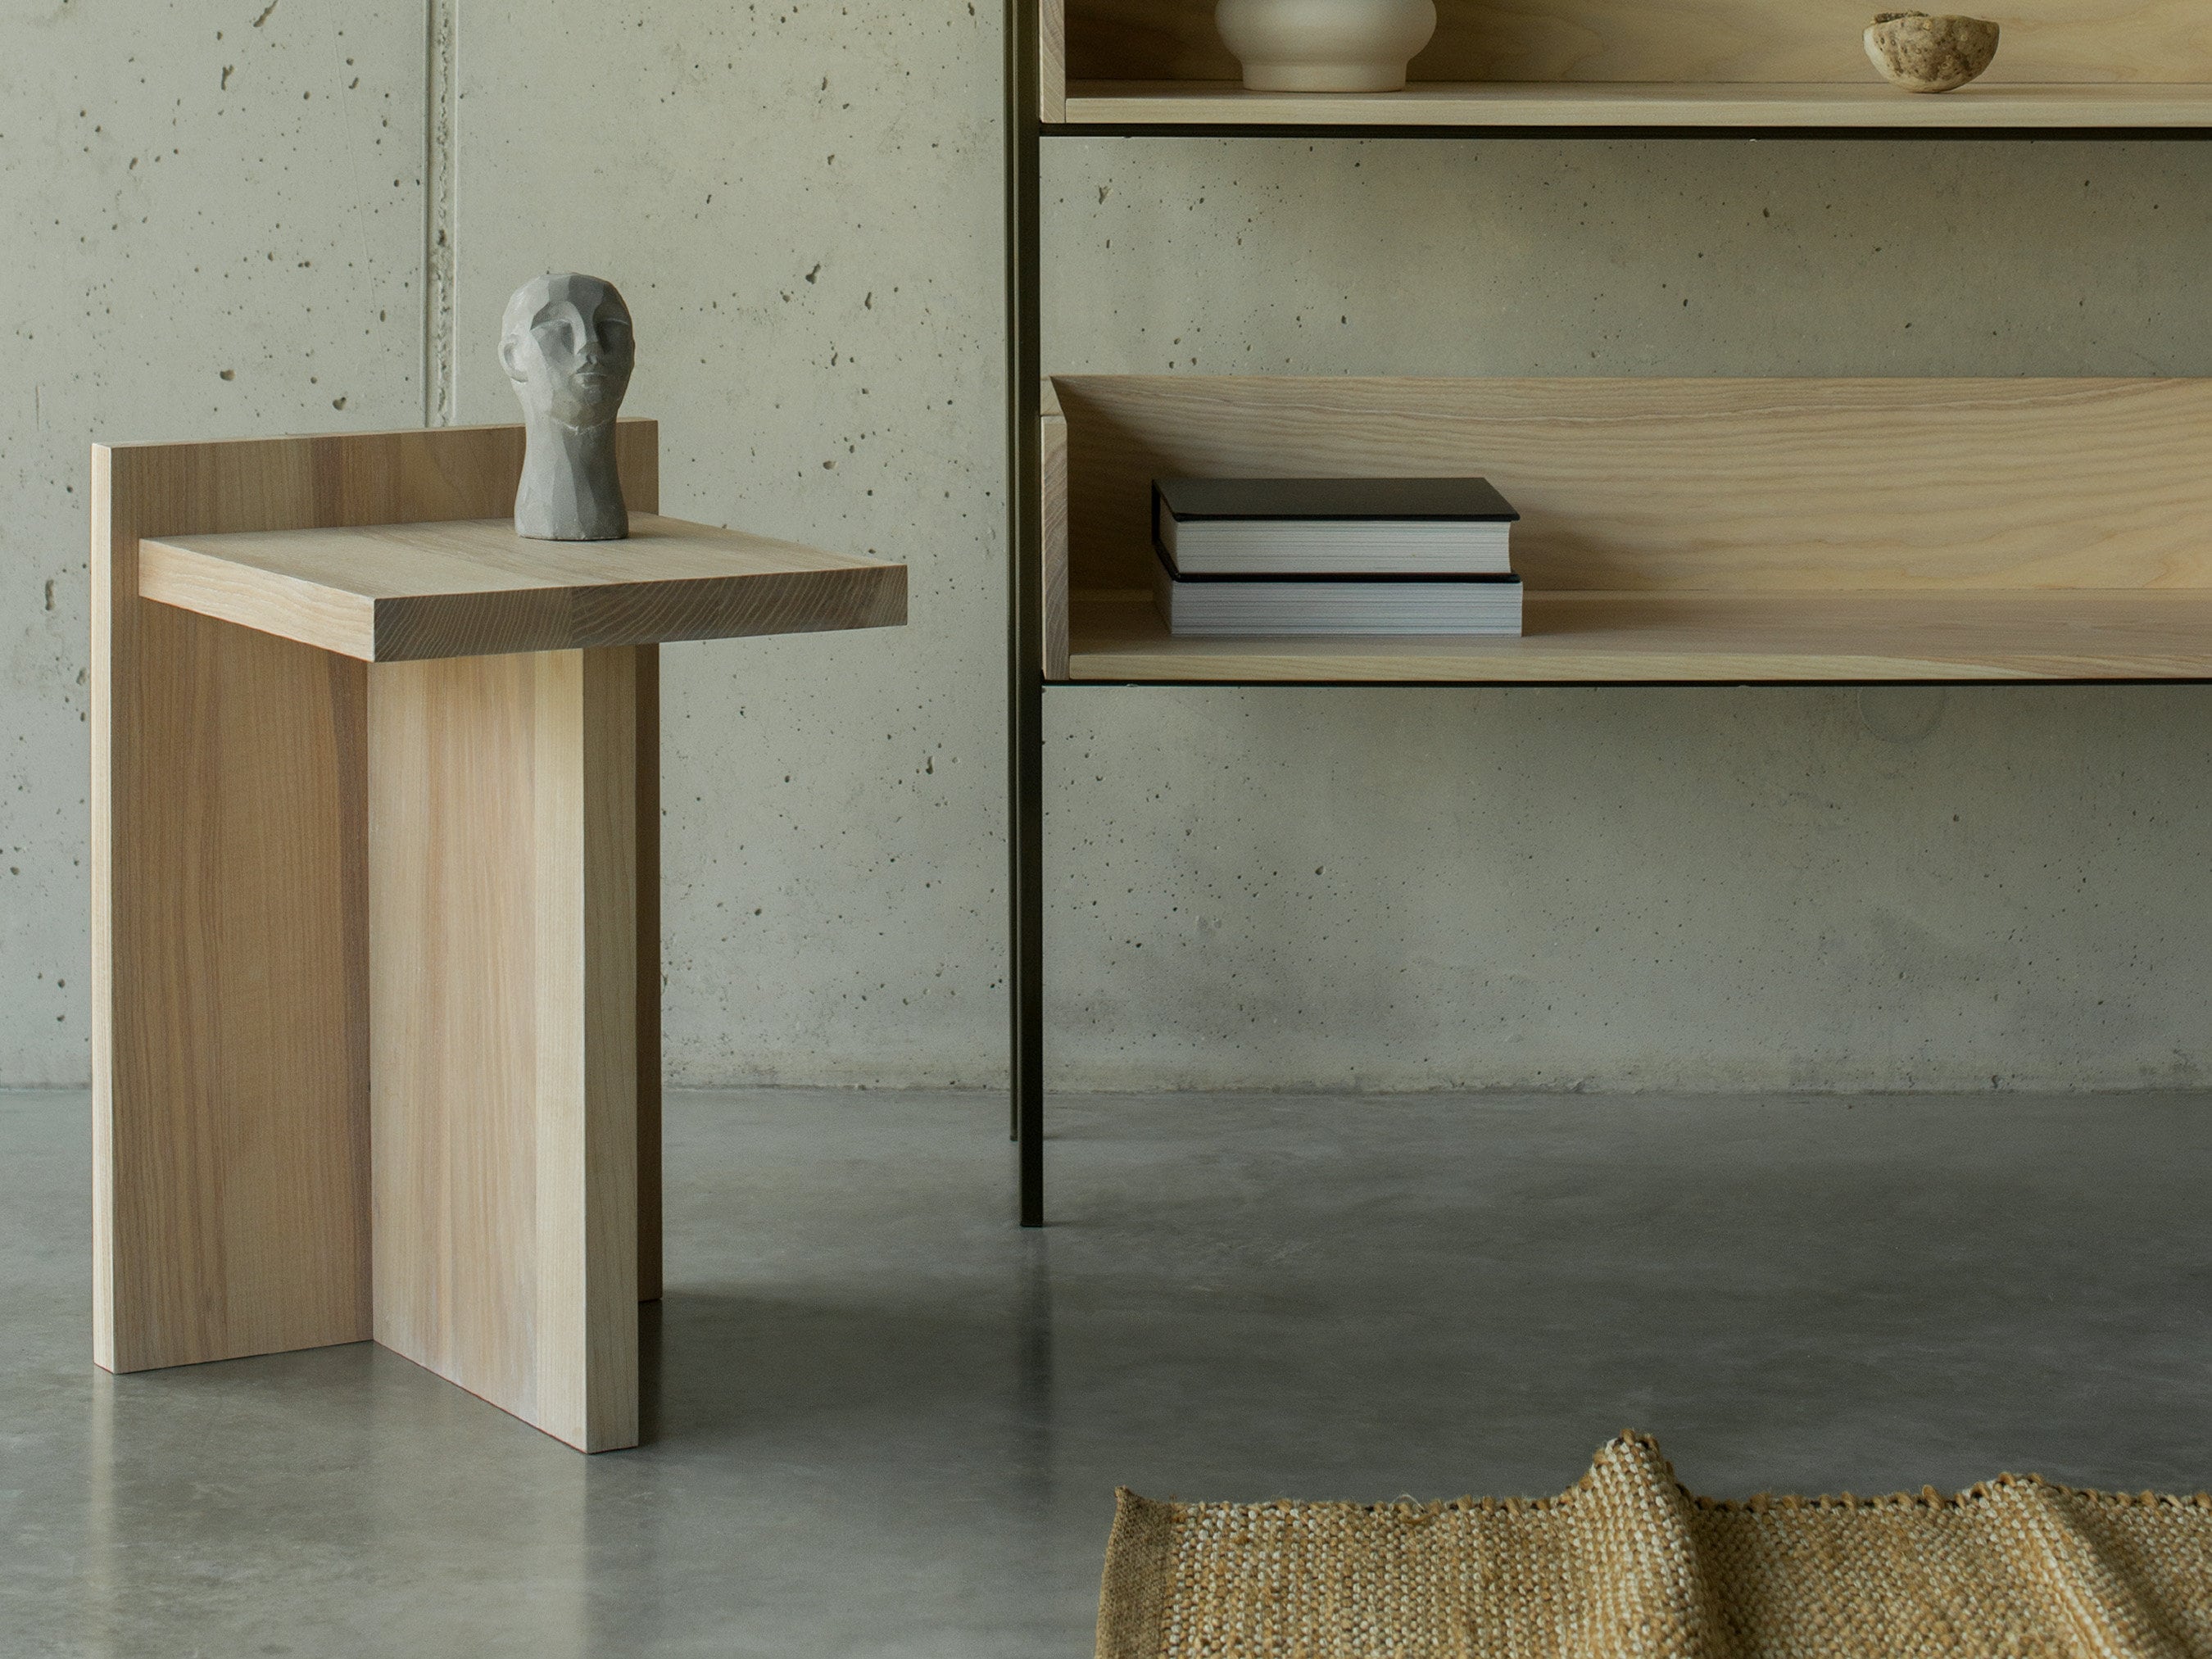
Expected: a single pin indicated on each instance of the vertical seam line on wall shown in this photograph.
(439, 366)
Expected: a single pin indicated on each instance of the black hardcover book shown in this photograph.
(1397, 499)
(1332, 527)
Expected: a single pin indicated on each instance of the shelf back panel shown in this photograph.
(1689, 40)
(1697, 485)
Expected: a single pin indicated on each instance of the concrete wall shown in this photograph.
(1671, 888)
(1679, 888)
(211, 227)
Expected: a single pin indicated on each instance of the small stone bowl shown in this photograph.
(1922, 53)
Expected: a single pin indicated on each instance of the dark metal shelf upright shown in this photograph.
(1024, 620)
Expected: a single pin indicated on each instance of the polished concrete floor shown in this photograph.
(883, 1422)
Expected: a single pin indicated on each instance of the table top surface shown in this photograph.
(406, 591)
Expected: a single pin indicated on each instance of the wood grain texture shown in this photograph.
(2121, 41)
(230, 1147)
(1659, 484)
(1839, 636)
(1873, 105)
(229, 950)
(408, 592)
(1052, 451)
(1052, 60)
(587, 1333)
(649, 1223)
(504, 1004)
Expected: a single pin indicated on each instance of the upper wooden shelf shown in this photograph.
(403, 592)
(1870, 106)
(1605, 65)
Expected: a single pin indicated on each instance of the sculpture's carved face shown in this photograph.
(567, 348)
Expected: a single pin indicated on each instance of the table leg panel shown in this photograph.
(648, 974)
(230, 1123)
(504, 981)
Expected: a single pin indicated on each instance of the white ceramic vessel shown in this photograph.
(1325, 45)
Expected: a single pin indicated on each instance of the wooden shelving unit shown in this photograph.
(1674, 532)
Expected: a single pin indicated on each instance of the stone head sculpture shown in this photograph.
(567, 346)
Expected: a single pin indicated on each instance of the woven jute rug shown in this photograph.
(1629, 1565)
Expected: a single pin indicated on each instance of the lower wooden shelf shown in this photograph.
(1839, 531)
(1863, 637)
(1868, 104)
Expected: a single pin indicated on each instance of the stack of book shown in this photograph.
(1333, 556)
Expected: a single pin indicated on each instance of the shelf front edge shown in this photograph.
(1595, 638)
(1411, 665)
(838, 600)
(2178, 107)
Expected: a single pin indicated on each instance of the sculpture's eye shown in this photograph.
(557, 334)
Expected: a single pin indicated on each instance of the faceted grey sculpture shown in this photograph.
(567, 348)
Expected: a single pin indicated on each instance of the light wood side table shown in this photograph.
(375, 922)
